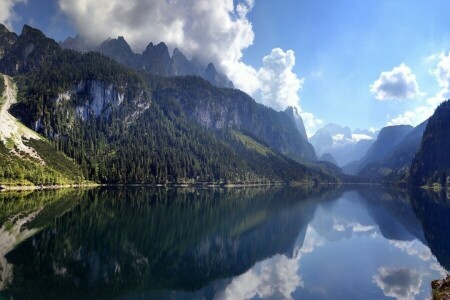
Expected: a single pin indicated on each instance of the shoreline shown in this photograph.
(8, 188)
(12, 188)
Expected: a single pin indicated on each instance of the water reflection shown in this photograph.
(138, 243)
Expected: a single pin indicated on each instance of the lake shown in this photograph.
(257, 243)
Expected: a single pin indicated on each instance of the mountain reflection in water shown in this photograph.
(277, 243)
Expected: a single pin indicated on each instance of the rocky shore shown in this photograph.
(441, 289)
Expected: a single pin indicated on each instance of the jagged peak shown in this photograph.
(3, 29)
(211, 68)
(120, 41)
(28, 30)
(293, 110)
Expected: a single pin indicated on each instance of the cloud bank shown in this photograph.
(423, 112)
(215, 31)
(7, 15)
(398, 84)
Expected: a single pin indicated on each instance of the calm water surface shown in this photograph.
(142, 243)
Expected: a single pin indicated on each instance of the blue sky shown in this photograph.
(340, 48)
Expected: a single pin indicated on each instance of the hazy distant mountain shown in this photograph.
(432, 162)
(329, 158)
(154, 60)
(343, 144)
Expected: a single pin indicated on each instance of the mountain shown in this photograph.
(329, 158)
(26, 157)
(216, 108)
(293, 114)
(343, 144)
(122, 127)
(432, 162)
(388, 138)
(27, 52)
(395, 166)
(155, 59)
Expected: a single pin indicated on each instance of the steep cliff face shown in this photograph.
(293, 114)
(101, 98)
(7, 39)
(224, 108)
(432, 162)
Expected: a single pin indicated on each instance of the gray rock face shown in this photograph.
(293, 114)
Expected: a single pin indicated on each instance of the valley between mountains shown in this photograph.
(73, 113)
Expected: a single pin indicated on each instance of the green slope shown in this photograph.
(25, 157)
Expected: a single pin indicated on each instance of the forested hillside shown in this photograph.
(432, 163)
(120, 127)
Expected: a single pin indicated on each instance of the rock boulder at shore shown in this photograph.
(441, 289)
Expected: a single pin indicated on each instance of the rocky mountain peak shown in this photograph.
(3, 29)
(293, 114)
(28, 31)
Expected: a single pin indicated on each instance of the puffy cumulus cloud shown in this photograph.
(279, 85)
(215, 31)
(398, 84)
(423, 112)
(7, 15)
(399, 283)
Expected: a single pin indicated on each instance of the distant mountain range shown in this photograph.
(154, 60)
(341, 143)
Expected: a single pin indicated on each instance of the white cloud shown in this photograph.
(311, 123)
(423, 112)
(275, 278)
(413, 248)
(7, 14)
(398, 84)
(399, 283)
(279, 85)
(215, 31)
(413, 117)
